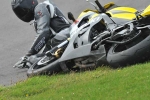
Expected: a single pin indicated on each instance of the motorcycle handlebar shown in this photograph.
(103, 10)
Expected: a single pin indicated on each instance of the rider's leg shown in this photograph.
(57, 39)
(60, 37)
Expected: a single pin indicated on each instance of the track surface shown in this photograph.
(16, 36)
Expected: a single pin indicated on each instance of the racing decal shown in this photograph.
(39, 13)
(40, 44)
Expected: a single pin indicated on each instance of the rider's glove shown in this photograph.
(22, 62)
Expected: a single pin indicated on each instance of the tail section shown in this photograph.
(146, 12)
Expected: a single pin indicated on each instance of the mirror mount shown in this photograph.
(71, 17)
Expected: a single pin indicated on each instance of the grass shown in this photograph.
(131, 83)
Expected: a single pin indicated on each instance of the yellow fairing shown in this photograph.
(146, 12)
(123, 12)
(107, 6)
(125, 16)
(93, 16)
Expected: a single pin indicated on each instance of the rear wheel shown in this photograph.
(134, 52)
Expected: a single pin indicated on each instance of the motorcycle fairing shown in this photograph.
(146, 12)
(90, 14)
(122, 12)
(83, 42)
(87, 11)
(84, 45)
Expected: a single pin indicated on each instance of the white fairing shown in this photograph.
(44, 60)
(80, 30)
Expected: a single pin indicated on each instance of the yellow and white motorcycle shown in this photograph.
(124, 32)
(118, 36)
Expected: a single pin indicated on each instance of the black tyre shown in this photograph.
(51, 68)
(137, 51)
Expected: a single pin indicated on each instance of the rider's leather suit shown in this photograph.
(48, 19)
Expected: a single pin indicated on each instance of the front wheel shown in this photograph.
(134, 52)
(47, 65)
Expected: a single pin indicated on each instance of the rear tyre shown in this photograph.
(137, 51)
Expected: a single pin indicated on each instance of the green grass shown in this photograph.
(131, 83)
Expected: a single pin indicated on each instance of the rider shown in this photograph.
(50, 24)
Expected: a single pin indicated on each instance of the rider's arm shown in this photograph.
(42, 20)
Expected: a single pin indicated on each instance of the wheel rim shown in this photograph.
(120, 48)
(38, 65)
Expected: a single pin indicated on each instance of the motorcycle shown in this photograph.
(110, 35)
